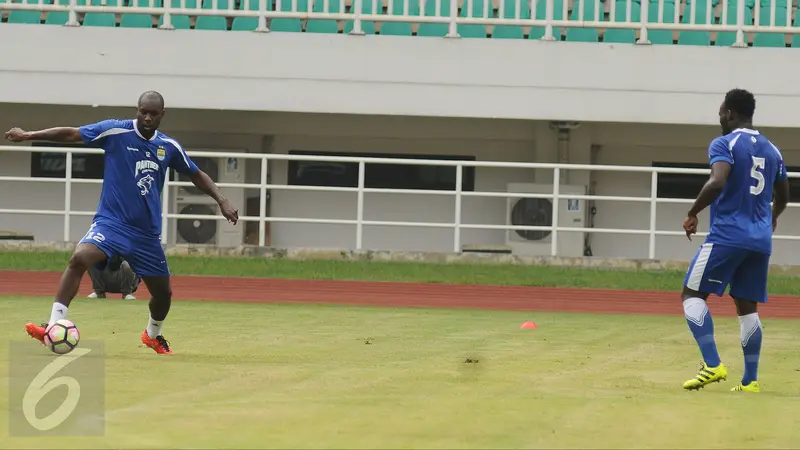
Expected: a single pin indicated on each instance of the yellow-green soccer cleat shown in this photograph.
(706, 375)
(752, 387)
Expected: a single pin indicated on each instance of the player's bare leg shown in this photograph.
(161, 290)
(85, 256)
(751, 334)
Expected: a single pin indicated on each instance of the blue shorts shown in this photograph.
(144, 253)
(716, 266)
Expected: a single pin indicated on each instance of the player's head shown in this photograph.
(149, 112)
(736, 110)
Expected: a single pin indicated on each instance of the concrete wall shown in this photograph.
(401, 207)
(488, 140)
(317, 73)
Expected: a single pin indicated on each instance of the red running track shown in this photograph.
(410, 295)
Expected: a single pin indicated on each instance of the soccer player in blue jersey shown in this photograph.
(746, 171)
(128, 219)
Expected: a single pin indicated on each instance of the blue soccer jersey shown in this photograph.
(135, 171)
(741, 216)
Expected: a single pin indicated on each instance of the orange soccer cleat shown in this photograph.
(159, 344)
(36, 331)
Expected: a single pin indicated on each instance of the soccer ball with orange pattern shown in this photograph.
(61, 337)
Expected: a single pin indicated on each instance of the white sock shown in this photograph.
(696, 310)
(748, 325)
(59, 312)
(154, 327)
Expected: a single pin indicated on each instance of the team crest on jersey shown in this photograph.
(161, 153)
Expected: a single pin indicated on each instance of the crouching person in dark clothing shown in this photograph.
(117, 277)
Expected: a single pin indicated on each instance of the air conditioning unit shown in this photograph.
(522, 211)
(190, 200)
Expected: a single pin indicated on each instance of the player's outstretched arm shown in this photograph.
(57, 134)
(207, 185)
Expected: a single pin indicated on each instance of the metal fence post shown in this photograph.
(262, 207)
(651, 253)
(457, 229)
(360, 207)
(554, 235)
(67, 194)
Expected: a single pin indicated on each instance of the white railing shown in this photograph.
(671, 15)
(458, 195)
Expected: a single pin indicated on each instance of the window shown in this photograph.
(380, 176)
(684, 185)
(54, 165)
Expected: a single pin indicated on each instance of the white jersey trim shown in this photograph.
(136, 129)
(732, 144)
(178, 146)
(774, 147)
(111, 132)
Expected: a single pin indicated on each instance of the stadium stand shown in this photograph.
(223, 15)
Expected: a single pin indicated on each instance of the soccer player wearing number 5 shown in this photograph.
(128, 219)
(746, 170)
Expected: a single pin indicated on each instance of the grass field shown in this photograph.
(316, 376)
(302, 376)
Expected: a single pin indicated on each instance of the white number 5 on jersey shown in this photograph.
(758, 163)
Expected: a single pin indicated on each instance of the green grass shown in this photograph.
(516, 275)
(302, 376)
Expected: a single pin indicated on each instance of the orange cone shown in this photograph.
(528, 325)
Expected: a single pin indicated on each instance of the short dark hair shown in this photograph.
(152, 94)
(741, 102)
